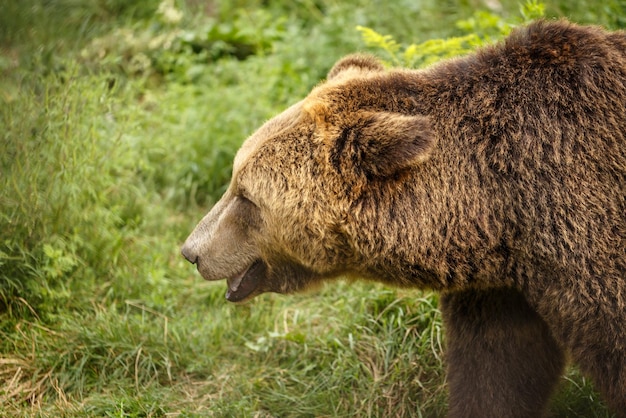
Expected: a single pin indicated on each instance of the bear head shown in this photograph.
(281, 226)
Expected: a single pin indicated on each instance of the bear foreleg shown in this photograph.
(502, 359)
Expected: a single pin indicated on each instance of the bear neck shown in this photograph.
(410, 234)
(430, 227)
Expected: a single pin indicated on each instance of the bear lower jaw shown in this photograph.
(244, 284)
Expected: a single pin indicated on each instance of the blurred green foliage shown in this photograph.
(119, 120)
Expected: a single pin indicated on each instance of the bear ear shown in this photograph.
(355, 62)
(387, 143)
(318, 112)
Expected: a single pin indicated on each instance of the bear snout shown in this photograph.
(189, 253)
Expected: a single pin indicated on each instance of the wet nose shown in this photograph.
(189, 254)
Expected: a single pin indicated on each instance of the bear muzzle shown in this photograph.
(188, 252)
(242, 285)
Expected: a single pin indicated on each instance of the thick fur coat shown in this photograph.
(498, 179)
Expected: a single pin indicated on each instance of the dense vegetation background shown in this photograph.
(118, 123)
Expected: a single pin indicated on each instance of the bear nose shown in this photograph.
(189, 254)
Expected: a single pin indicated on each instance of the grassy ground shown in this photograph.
(118, 123)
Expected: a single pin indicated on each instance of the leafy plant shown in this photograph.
(170, 48)
(120, 119)
(482, 28)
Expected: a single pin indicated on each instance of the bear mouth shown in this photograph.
(242, 285)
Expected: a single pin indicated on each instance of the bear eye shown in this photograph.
(243, 196)
(244, 199)
(247, 211)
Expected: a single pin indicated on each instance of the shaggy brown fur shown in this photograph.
(498, 179)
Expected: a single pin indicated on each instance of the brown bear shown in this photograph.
(497, 179)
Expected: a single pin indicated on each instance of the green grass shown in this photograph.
(118, 126)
